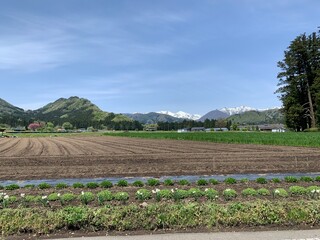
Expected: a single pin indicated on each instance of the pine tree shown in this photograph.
(299, 82)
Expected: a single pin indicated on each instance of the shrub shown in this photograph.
(230, 180)
(184, 182)
(261, 180)
(202, 182)
(179, 194)
(163, 194)
(138, 183)
(53, 197)
(306, 179)
(86, 197)
(121, 196)
(211, 194)
(276, 180)
(1, 187)
(195, 193)
(297, 190)
(263, 192)
(153, 182)
(229, 194)
(12, 187)
(143, 194)
(213, 181)
(29, 186)
(168, 182)
(280, 192)
(106, 184)
(244, 180)
(122, 183)
(291, 179)
(61, 185)
(104, 196)
(249, 192)
(68, 197)
(92, 185)
(44, 186)
(78, 185)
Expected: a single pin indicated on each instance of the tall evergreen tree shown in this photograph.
(299, 82)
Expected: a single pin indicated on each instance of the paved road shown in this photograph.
(268, 235)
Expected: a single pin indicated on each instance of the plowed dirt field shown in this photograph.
(89, 157)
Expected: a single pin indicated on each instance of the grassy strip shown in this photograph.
(159, 216)
(283, 139)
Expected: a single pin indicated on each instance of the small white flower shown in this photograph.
(44, 197)
(22, 195)
(172, 190)
(317, 191)
(157, 190)
(58, 194)
(153, 191)
(206, 190)
(6, 197)
(228, 189)
(313, 191)
(82, 192)
(1, 194)
(276, 191)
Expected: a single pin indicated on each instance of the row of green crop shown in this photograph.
(176, 194)
(174, 216)
(285, 139)
(167, 182)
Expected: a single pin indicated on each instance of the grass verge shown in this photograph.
(159, 216)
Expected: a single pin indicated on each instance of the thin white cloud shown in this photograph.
(31, 55)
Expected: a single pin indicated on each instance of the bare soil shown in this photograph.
(90, 157)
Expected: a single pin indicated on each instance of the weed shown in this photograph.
(261, 180)
(92, 185)
(153, 182)
(184, 182)
(230, 180)
(78, 185)
(138, 183)
(44, 186)
(168, 182)
(122, 183)
(106, 184)
(202, 182)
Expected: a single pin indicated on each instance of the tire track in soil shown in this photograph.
(8, 151)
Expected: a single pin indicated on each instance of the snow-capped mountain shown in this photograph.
(181, 114)
(237, 110)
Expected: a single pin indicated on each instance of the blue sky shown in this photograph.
(148, 55)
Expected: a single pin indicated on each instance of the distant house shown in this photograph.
(220, 129)
(272, 128)
(198, 129)
(183, 130)
(151, 128)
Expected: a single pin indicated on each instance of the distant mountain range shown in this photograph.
(152, 117)
(83, 113)
(181, 114)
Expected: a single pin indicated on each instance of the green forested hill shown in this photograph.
(256, 117)
(12, 115)
(80, 112)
